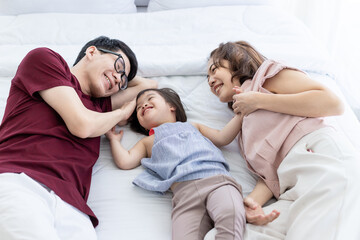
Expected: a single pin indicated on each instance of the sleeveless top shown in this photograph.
(266, 137)
(179, 153)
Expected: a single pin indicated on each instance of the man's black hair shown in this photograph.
(112, 45)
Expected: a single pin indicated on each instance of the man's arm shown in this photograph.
(135, 86)
(80, 121)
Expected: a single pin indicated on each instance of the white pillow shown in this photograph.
(159, 5)
(16, 7)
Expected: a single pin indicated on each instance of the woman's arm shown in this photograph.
(261, 193)
(81, 121)
(254, 202)
(128, 159)
(295, 94)
(224, 136)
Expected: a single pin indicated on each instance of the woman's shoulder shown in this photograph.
(286, 78)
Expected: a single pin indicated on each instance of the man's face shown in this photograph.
(103, 78)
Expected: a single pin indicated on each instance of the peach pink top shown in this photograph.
(266, 137)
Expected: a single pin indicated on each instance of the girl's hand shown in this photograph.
(255, 214)
(113, 135)
(245, 103)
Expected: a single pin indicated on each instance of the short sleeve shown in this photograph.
(42, 69)
(104, 103)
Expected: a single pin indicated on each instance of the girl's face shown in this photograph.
(152, 110)
(219, 80)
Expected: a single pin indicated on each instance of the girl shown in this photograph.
(305, 164)
(181, 158)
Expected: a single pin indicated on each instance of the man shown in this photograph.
(50, 137)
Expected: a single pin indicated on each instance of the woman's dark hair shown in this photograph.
(244, 60)
(171, 97)
(112, 45)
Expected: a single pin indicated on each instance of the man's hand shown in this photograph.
(127, 109)
(135, 86)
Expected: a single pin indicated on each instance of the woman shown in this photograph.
(307, 165)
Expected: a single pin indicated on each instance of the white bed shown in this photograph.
(172, 47)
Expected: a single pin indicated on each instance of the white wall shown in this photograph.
(336, 24)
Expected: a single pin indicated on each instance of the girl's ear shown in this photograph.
(173, 109)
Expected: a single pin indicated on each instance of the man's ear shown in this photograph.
(90, 51)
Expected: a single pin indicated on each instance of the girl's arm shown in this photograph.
(295, 94)
(224, 136)
(254, 202)
(128, 159)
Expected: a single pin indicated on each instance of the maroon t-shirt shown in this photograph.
(34, 138)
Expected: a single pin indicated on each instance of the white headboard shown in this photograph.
(141, 5)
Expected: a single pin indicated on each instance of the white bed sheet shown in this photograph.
(172, 47)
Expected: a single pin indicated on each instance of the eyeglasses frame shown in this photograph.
(124, 79)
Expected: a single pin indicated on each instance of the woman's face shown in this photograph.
(220, 81)
(152, 110)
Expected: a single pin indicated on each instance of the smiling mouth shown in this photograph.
(145, 110)
(110, 85)
(217, 88)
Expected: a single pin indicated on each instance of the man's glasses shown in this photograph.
(119, 66)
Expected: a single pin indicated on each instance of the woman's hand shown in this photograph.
(255, 214)
(245, 103)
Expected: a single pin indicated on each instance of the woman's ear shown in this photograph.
(172, 109)
(236, 81)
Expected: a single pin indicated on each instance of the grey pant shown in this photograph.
(200, 205)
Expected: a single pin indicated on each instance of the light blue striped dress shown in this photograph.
(180, 153)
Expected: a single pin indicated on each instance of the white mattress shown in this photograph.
(172, 47)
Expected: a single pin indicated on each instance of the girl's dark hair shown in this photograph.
(171, 97)
(244, 60)
(112, 45)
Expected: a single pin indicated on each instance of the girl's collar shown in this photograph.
(151, 132)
